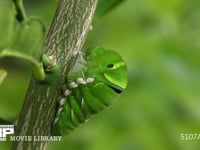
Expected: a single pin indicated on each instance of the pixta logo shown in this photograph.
(5, 130)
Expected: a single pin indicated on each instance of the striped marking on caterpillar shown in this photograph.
(67, 92)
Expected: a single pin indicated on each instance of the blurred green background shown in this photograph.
(160, 42)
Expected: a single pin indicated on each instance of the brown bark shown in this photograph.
(65, 39)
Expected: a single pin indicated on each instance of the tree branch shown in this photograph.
(64, 40)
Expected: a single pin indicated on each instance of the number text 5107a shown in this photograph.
(189, 136)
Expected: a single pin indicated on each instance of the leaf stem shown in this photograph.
(21, 14)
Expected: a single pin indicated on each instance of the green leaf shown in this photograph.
(24, 40)
(7, 18)
(28, 43)
(104, 6)
(28, 38)
(21, 15)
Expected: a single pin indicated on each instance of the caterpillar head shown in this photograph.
(110, 67)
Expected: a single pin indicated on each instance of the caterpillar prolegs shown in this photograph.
(90, 90)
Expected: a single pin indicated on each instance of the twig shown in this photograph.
(65, 38)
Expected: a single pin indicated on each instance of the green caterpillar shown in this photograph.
(90, 90)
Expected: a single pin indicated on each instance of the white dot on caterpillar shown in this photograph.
(90, 80)
(56, 120)
(73, 85)
(81, 81)
(62, 101)
(82, 101)
(59, 111)
(72, 114)
(67, 92)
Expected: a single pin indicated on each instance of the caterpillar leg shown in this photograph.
(63, 123)
(78, 116)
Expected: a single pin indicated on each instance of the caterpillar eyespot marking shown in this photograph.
(110, 65)
(90, 89)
